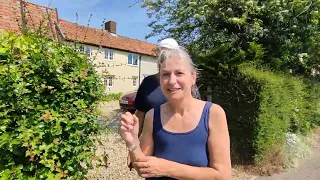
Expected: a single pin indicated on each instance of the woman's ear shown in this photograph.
(194, 77)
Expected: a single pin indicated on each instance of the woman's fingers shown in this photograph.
(129, 115)
(129, 127)
(144, 172)
(123, 128)
(135, 120)
(127, 119)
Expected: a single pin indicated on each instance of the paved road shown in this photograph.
(309, 169)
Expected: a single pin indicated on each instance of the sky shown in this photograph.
(131, 21)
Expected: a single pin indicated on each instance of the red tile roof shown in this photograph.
(10, 16)
(35, 15)
(98, 37)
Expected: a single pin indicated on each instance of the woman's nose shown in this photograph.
(172, 79)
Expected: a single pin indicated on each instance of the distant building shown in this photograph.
(122, 61)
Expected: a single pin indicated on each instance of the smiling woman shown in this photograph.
(185, 138)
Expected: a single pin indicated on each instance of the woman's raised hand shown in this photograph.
(129, 128)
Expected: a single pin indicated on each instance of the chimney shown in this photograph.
(111, 26)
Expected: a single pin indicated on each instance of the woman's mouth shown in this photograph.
(173, 89)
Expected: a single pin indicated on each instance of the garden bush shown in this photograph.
(261, 107)
(112, 97)
(313, 102)
(281, 109)
(48, 106)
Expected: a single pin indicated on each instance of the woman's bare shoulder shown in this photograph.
(217, 114)
(216, 108)
(149, 115)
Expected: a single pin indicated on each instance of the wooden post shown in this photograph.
(50, 24)
(23, 19)
(209, 94)
(55, 25)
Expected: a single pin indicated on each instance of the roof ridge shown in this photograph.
(74, 30)
(104, 31)
(81, 25)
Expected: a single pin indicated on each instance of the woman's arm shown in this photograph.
(140, 116)
(145, 142)
(219, 153)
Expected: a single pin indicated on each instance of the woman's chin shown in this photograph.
(174, 97)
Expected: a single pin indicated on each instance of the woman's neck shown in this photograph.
(181, 106)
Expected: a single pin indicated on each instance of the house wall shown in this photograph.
(123, 74)
(148, 66)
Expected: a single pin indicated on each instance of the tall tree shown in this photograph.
(283, 34)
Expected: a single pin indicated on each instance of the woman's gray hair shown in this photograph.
(181, 52)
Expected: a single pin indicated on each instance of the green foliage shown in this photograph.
(280, 109)
(112, 97)
(239, 96)
(313, 102)
(261, 106)
(285, 34)
(48, 107)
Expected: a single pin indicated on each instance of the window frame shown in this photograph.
(88, 53)
(107, 81)
(82, 49)
(132, 59)
(134, 79)
(109, 54)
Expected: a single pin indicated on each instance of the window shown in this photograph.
(88, 51)
(134, 81)
(109, 81)
(85, 49)
(133, 59)
(81, 49)
(108, 54)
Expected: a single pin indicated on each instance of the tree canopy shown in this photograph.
(283, 34)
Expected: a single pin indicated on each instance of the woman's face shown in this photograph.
(176, 78)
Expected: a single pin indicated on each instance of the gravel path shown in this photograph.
(113, 146)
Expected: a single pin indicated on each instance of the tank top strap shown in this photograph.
(206, 115)
(157, 125)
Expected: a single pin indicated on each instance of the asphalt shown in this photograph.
(308, 169)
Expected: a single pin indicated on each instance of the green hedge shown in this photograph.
(313, 102)
(261, 106)
(112, 97)
(48, 106)
(281, 109)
